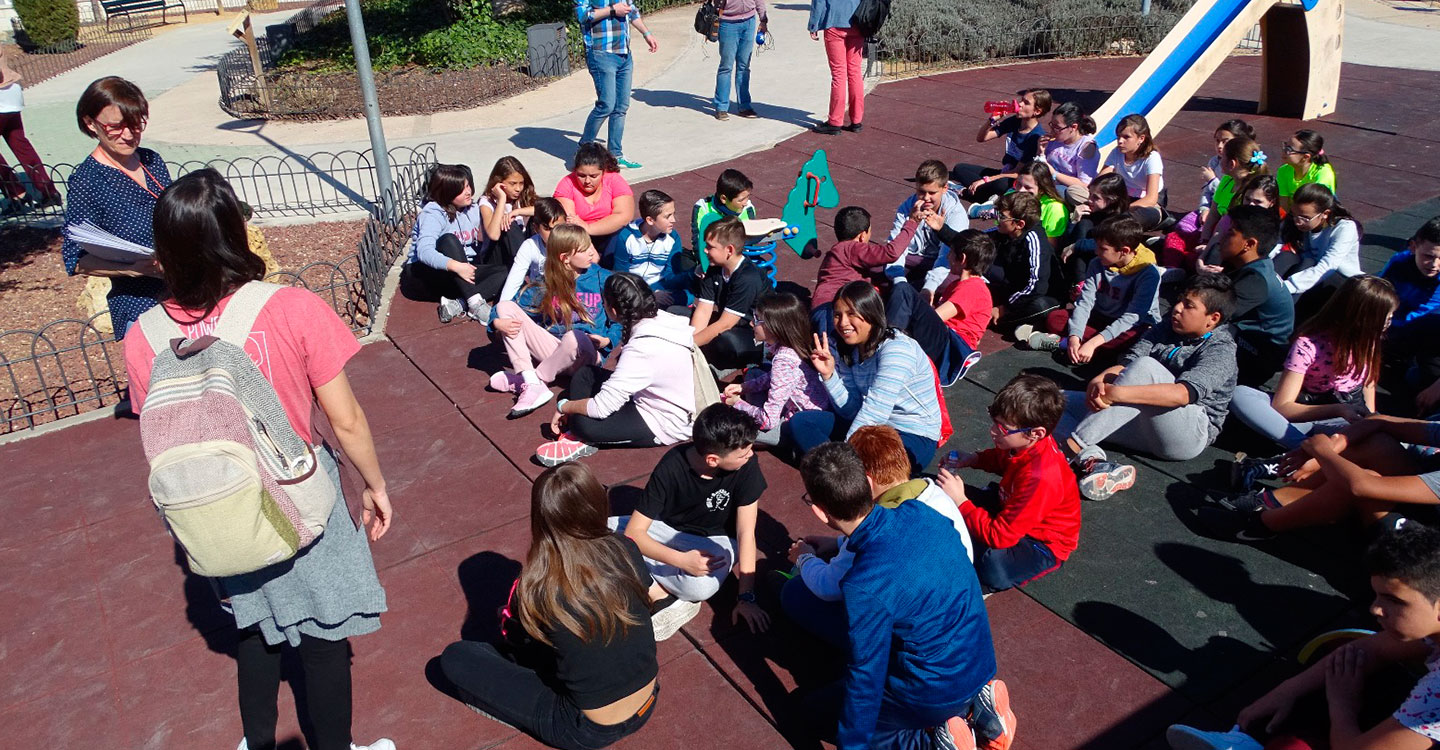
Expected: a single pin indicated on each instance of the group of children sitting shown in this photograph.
(1178, 322)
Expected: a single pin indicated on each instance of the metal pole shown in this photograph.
(372, 105)
(1144, 7)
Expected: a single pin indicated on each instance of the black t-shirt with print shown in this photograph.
(690, 503)
(738, 294)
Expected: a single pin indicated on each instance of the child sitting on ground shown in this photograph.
(1415, 274)
(1106, 197)
(813, 597)
(854, 257)
(1119, 297)
(1305, 163)
(648, 246)
(731, 200)
(1168, 396)
(699, 507)
(1136, 160)
(1326, 240)
(529, 261)
(727, 295)
(506, 207)
(1264, 313)
(791, 384)
(1020, 277)
(1242, 160)
(1035, 178)
(1030, 526)
(950, 332)
(1404, 569)
(924, 261)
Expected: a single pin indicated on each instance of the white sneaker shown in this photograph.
(1023, 332)
(380, 744)
(672, 618)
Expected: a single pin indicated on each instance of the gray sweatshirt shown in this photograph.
(1125, 299)
(1205, 366)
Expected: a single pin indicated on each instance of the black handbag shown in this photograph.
(707, 20)
(869, 16)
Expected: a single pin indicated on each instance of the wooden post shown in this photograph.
(242, 29)
(1300, 59)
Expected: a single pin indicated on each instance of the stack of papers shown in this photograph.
(105, 245)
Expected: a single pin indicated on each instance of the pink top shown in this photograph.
(972, 297)
(1315, 359)
(612, 186)
(790, 386)
(298, 343)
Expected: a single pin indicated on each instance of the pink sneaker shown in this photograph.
(532, 397)
(564, 450)
(505, 382)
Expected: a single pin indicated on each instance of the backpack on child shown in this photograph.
(236, 486)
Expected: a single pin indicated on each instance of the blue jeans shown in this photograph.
(611, 73)
(808, 429)
(905, 310)
(737, 44)
(824, 619)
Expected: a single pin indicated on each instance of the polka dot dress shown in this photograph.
(109, 199)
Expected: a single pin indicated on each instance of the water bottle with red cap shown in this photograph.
(1000, 108)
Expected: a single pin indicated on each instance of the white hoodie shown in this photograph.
(654, 371)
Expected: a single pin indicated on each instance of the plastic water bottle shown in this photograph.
(951, 462)
(760, 39)
(1000, 108)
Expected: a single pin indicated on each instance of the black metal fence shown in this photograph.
(37, 63)
(71, 366)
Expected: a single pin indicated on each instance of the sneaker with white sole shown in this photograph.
(1044, 342)
(972, 359)
(1182, 737)
(982, 211)
(1248, 470)
(383, 743)
(669, 620)
(481, 312)
(506, 382)
(532, 397)
(563, 450)
(990, 724)
(449, 309)
(1024, 332)
(1100, 479)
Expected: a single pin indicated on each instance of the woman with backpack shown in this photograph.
(648, 400)
(314, 598)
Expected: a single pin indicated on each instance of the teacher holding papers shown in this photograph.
(116, 189)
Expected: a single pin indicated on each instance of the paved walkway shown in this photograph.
(113, 645)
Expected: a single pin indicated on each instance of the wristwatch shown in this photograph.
(747, 596)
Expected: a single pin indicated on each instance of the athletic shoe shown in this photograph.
(1233, 525)
(1044, 342)
(672, 618)
(532, 397)
(449, 309)
(826, 128)
(1100, 479)
(854, 127)
(1253, 501)
(1182, 737)
(722, 116)
(982, 211)
(959, 737)
(506, 382)
(970, 361)
(481, 312)
(748, 114)
(1247, 470)
(626, 163)
(990, 725)
(383, 743)
(1023, 332)
(563, 450)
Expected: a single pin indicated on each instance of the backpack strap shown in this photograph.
(159, 328)
(244, 307)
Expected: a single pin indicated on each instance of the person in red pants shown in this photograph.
(845, 48)
(12, 100)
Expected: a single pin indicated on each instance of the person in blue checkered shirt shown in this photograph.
(605, 25)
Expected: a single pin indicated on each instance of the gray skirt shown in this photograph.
(328, 591)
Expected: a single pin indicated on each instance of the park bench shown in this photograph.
(114, 8)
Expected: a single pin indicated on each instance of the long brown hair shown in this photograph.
(504, 167)
(447, 182)
(577, 575)
(1353, 321)
(559, 303)
(788, 320)
(200, 241)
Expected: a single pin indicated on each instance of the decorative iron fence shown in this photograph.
(70, 366)
(290, 185)
(37, 64)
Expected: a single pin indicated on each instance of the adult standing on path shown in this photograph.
(739, 20)
(844, 48)
(605, 25)
(12, 129)
(116, 189)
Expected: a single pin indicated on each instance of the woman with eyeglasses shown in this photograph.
(116, 189)
(1305, 163)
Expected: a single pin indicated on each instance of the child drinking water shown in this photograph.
(1136, 160)
(791, 384)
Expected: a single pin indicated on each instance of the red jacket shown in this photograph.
(1038, 497)
(852, 260)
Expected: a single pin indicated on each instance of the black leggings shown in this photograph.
(1151, 217)
(964, 174)
(519, 696)
(489, 277)
(623, 428)
(327, 689)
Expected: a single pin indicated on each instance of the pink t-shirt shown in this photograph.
(1315, 359)
(972, 297)
(612, 186)
(298, 343)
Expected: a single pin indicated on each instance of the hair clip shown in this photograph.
(1258, 158)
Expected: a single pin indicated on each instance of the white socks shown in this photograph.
(532, 377)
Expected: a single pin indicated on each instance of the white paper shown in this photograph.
(107, 246)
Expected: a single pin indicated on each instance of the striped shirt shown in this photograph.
(896, 386)
(609, 33)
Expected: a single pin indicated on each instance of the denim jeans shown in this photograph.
(808, 429)
(737, 44)
(905, 310)
(827, 620)
(611, 73)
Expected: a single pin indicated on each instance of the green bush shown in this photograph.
(50, 23)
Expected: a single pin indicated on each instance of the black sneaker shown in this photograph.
(826, 128)
(854, 127)
(1253, 501)
(1247, 470)
(1233, 525)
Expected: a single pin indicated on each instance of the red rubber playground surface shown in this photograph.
(108, 643)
